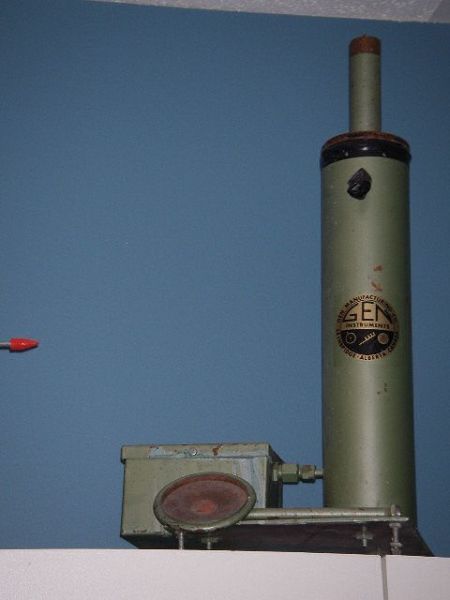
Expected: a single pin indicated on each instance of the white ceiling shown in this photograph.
(435, 11)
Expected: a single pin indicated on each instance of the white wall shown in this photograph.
(217, 575)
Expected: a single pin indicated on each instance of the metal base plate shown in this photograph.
(342, 538)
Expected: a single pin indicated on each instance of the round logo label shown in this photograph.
(367, 327)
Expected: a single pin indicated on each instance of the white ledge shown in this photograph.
(217, 575)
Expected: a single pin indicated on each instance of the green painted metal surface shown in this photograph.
(367, 380)
(365, 92)
(149, 468)
(366, 309)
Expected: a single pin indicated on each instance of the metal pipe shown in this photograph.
(368, 441)
(294, 473)
(365, 84)
(259, 514)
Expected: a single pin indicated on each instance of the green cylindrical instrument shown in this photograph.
(367, 373)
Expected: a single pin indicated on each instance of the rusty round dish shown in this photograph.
(204, 502)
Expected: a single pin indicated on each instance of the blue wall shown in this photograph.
(160, 236)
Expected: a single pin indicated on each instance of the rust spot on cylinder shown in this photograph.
(376, 286)
(378, 268)
(216, 449)
(365, 43)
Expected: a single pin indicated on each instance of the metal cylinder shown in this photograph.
(365, 84)
(367, 376)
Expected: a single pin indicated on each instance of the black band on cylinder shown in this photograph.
(352, 145)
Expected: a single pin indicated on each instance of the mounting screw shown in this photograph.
(396, 545)
(364, 536)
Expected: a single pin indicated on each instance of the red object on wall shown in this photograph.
(22, 344)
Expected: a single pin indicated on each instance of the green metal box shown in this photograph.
(149, 468)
